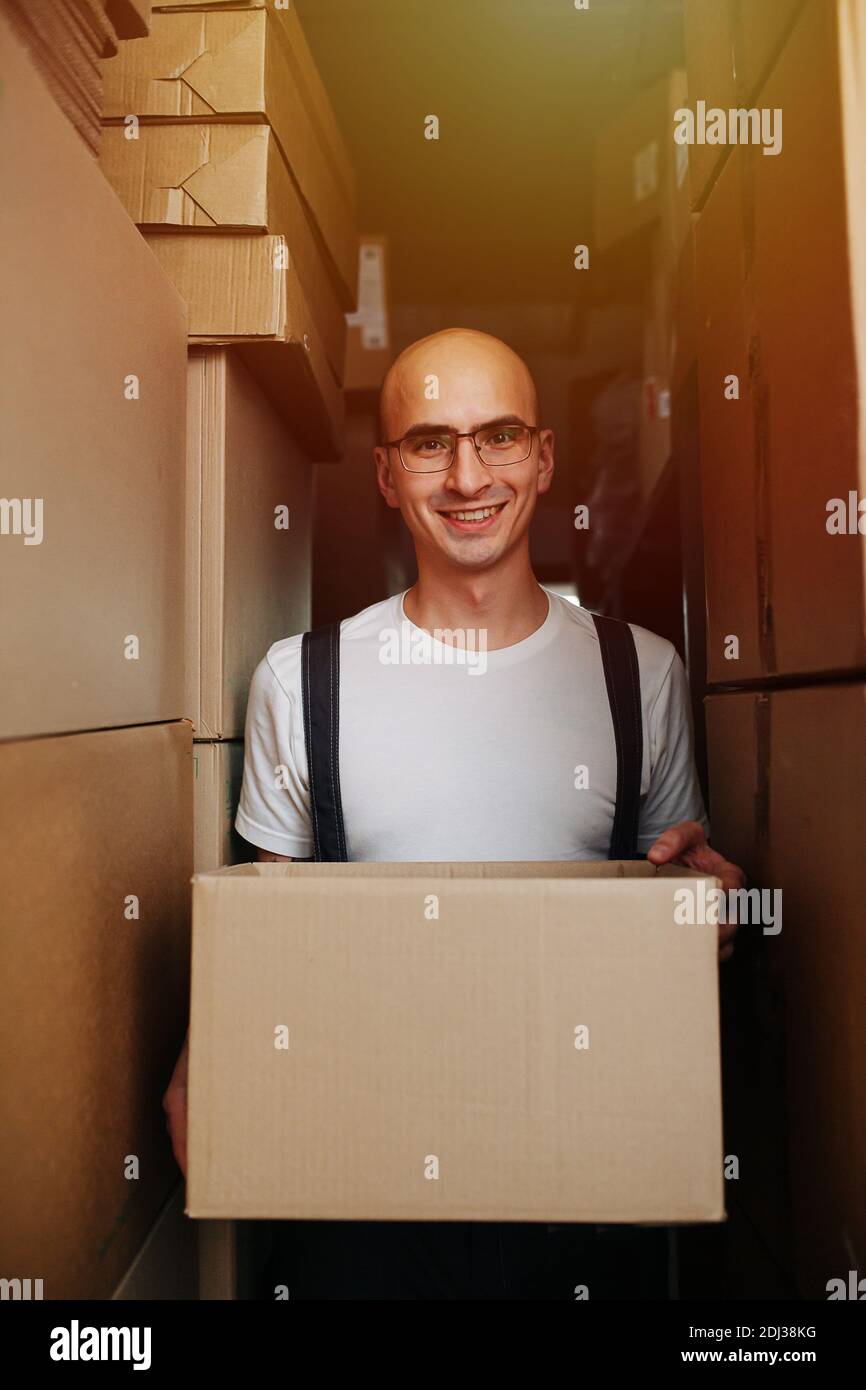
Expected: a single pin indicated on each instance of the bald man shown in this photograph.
(465, 705)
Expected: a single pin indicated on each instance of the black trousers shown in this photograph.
(465, 1260)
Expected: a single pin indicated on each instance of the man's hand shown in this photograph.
(686, 844)
(174, 1105)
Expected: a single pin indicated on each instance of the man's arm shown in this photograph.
(174, 1102)
(686, 843)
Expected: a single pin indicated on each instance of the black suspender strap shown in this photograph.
(320, 687)
(622, 678)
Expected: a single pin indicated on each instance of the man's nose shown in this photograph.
(467, 473)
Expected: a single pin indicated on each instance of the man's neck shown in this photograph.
(506, 602)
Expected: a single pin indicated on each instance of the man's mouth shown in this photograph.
(472, 518)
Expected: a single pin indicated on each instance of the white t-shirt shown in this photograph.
(468, 755)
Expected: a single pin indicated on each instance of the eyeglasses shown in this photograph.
(495, 445)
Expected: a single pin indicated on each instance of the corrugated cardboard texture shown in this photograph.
(65, 42)
(244, 289)
(453, 1038)
(229, 177)
(252, 63)
(789, 590)
(248, 582)
(218, 772)
(86, 306)
(94, 1006)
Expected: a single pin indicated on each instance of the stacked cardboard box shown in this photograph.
(221, 124)
(97, 826)
(249, 540)
(97, 854)
(781, 260)
(731, 46)
(66, 43)
(641, 191)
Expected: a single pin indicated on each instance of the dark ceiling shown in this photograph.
(492, 209)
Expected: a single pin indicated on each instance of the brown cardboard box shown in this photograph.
(130, 18)
(166, 1266)
(97, 854)
(369, 353)
(641, 173)
(227, 177)
(436, 1066)
(218, 773)
(731, 46)
(788, 786)
(248, 578)
(86, 307)
(244, 289)
(65, 43)
(779, 317)
(248, 62)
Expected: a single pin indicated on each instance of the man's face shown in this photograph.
(472, 514)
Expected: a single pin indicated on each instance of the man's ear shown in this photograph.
(546, 451)
(384, 477)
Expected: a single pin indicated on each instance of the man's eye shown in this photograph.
(429, 445)
(502, 437)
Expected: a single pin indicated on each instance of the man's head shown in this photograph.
(462, 381)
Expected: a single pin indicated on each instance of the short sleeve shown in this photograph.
(273, 812)
(674, 791)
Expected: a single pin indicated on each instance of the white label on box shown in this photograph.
(646, 171)
(371, 316)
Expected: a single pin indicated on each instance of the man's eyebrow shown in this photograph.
(427, 427)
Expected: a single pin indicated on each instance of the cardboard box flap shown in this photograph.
(558, 869)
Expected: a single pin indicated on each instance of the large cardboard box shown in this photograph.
(731, 46)
(640, 171)
(248, 62)
(231, 177)
(448, 1042)
(92, 397)
(369, 351)
(249, 538)
(218, 773)
(94, 962)
(781, 403)
(788, 796)
(245, 290)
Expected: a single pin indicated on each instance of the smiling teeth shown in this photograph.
(477, 516)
